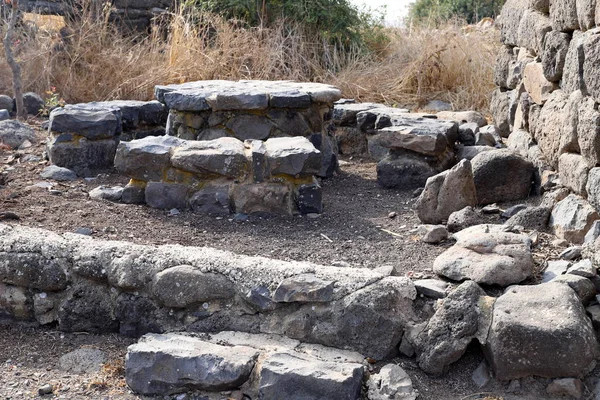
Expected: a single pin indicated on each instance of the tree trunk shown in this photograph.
(10, 59)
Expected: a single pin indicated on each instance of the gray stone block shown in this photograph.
(89, 122)
(211, 200)
(166, 196)
(85, 157)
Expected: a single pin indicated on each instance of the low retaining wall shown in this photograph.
(84, 137)
(222, 175)
(106, 286)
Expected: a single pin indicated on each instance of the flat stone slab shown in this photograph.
(345, 114)
(244, 95)
(171, 363)
(293, 377)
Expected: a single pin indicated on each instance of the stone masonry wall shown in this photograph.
(548, 89)
(90, 285)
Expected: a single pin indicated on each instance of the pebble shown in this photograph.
(174, 212)
(392, 215)
(491, 209)
(46, 389)
(572, 253)
(240, 217)
(83, 231)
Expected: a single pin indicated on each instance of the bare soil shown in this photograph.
(363, 226)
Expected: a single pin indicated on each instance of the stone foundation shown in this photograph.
(84, 137)
(222, 175)
(105, 286)
(260, 110)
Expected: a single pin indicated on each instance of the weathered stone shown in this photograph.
(501, 176)
(171, 363)
(593, 233)
(573, 170)
(531, 218)
(14, 133)
(6, 103)
(106, 193)
(327, 145)
(466, 311)
(564, 342)
(345, 114)
(270, 198)
(573, 78)
(536, 84)
(463, 219)
(58, 173)
(572, 218)
(533, 28)
(422, 142)
(510, 20)
(33, 103)
(309, 198)
(432, 288)
(146, 159)
(464, 117)
(586, 14)
(566, 387)
(292, 156)
(500, 106)
(303, 289)
(380, 310)
(46, 270)
(246, 127)
(392, 382)
(520, 141)
(211, 200)
(466, 133)
(503, 59)
(89, 308)
(486, 254)
(556, 45)
(585, 289)
(351, 141)
(82, 361)
(223, 156)
(564, 15)
(588, 131)
(88, 122)
(433, 234)
(85, 157)
(591, 56)
(184, 285)
(469, 152)
(4, 114)
(485, 139)
(409, 170)
(583, 268)
(571, 253)
(15, 302)
(446, 193)
(134, 193)
(290, 376)
(555, 269)
(166, 196)
(593, 188)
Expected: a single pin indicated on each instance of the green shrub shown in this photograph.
(471, 10)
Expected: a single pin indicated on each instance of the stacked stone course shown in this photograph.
(548, 87)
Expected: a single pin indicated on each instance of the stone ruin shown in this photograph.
(135, 15)
(246, 147)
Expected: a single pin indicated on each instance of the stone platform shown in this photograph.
(207, 110)
(222, 175)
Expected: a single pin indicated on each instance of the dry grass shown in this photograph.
(90, 61)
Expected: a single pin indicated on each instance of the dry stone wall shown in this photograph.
(222, 175)
(548, 90)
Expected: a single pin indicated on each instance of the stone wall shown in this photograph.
(133, 14)
(106, 286)
(84, 137)
(222, 175)
(548, 90)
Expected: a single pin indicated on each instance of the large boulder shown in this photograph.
(501, 176)
(446, 193)
(487, 254)
(572, 218)
(171, 363)
(460, 318)
(294, 377)
(540, 330)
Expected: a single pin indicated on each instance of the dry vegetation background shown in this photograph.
(90, 60)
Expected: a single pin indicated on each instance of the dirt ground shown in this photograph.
(363, 226)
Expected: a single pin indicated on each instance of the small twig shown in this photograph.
(391, 233)
(325, 236)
